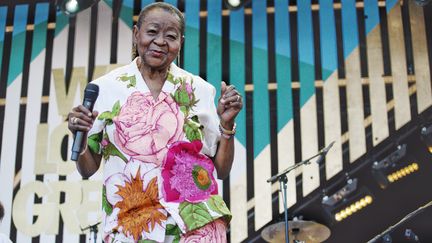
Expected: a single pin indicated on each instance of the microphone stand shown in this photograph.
(283, 180)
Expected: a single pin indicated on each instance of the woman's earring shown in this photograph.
(134, 51)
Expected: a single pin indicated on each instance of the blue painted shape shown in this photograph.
(237, 68)
(40, 30)
(283, 64)
(328, 36)
(18, 42)
(191, 47)
(146, 2)
(261, 114)
(306, 50)
(214, 43)
(349, 26)
(3, 14)
(172, 2)
(371, 14)
(390, 4)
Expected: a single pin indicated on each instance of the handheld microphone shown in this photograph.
(324, 152)
(91, 93)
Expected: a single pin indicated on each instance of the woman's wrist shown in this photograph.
(227, 125)
(227, 133)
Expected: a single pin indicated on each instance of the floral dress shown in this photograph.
(158, 182)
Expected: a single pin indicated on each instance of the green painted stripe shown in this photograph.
(237, 69)
(39, 33)
(18, 46)
(191, 47)
(214, 43)
(283, 64)
(3, 12)
(261, 112)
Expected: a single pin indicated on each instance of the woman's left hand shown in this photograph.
(229, 105)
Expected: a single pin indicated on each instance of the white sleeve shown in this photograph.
(209, 119)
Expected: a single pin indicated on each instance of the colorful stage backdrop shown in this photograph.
(311, 72)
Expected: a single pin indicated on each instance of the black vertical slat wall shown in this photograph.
(225, 71)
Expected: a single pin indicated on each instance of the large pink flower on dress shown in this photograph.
(187, 174)
(214, 232)
(145, 127)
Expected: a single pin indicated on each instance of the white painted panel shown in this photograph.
(238, 195)
(8, 152)
(103, 34)
(262, 189)
(399, 69)
(124, 47)
(377, 91)
(356, 129)
(286, 159)
(309, 140)
(332, 125)
(33, 108)
(421, 61)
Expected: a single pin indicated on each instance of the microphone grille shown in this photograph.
(91, 92)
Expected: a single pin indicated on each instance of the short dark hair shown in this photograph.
(1, 211)
(165, 6)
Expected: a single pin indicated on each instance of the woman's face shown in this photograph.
(159, 39)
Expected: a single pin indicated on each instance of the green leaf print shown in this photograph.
(192, 130)
(131, 79)
(216, 203)
(116, 109)
(173, 230)
(111, 150)
(194, 215)
(106, 115)
(94, 141)
(147, 241)
(109, 115)
(170, 78)
(105, 204)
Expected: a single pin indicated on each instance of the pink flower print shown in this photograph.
(145, 127)
(187, 174)
(214, 232)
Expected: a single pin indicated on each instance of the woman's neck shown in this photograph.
(154, 78)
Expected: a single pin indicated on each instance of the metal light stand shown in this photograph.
(386, 233)
(93, 231)
(283, 180)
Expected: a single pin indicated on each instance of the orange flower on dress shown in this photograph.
(137, 212)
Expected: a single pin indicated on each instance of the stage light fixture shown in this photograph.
(426, 135)
(346, 201)
(235, 4)
(394, 167)
(72, 7)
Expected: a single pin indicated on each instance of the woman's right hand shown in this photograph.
(81, 119)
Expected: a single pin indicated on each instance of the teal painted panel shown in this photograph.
(40, 30)
(371, 11)
(172, 2)
(18, 43)
(126, 12)
(3, 13)
(328, 36)
(191, 46)
(237, 68)
(306, 50)
(214, 43)
(261, 113)
(349, 26)
(146, 2)
(283, 64)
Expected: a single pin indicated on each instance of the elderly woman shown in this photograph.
(162, 140)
